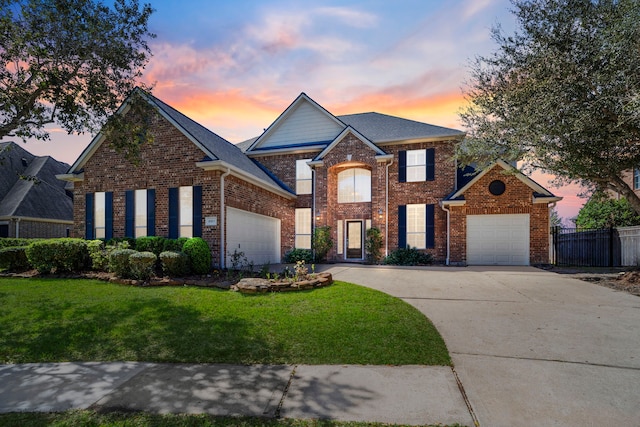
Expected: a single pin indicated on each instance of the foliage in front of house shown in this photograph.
(322, 242)
(116, 255)
(373, 245)
(297, 254)
(603, 212)
(408, 256)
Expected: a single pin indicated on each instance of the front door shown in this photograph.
(354, 239)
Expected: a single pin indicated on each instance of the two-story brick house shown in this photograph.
(311, 168)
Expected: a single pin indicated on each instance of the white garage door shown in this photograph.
(258, 236)
(498, 239)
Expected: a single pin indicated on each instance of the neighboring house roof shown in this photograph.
(29, 188)
(539, 193)
(216, 150)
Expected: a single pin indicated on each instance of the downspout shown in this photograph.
(313, 209)
(222, 221)
(447, 262)
(552, 245)
(386, 226)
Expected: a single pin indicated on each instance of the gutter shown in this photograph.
(444, 208)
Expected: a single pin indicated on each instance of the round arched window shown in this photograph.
(496, 187)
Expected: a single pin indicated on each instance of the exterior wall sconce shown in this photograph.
(380, 213)
(318, 215)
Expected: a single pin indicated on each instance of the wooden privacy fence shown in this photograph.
(609, 247)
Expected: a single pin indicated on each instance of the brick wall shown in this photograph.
(427, 192)
(170, 162)
(517, 199)
(28, 229)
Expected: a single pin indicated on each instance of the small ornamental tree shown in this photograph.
(603, 212)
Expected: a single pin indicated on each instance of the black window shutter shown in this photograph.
(430, 219)
(174, 200)
(108, 215)
(88, 216)
(402, 226)
(129, 213)
(151, 212)
(402, 166)
(197, 211)
(431, 164)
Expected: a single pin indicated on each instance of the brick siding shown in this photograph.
(517, 199)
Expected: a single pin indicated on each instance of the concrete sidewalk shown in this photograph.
(390, 394)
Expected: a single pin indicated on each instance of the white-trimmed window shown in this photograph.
(99, 215)
(140, 218)
(636, 178)
(303, 228)
(354, 185)
(303, 177)
(185, 216)
(416, 226)
(416, 165)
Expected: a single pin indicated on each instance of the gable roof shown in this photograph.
(540, 194)
(341, 136)
(40, 195)
(377, 128)
(214, 147)
(319, 135)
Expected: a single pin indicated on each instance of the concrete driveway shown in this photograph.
(531, 347)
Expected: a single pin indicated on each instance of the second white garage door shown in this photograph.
(498, 239)
(258, 236)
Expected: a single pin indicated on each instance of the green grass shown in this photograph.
(56, 320)
(88, 418)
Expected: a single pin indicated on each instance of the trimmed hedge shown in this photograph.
(408, 256)
(119, 262)
(153, 244)
(59, 255)
(199, 255)
(296, 254)
(142, 264)
(11, 242)
(174, 264)
(14, 258)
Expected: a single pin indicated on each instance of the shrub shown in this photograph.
(199, 255)
(174, 244)
(14, 258)
(322, 242)
(58, 254)
(296, 254)
(373, 245)
(174, 263)
(119, 262)
(98, 254)
(142, 264)
(10, 242)
(153, 244)
(408, 256)
(122, 242)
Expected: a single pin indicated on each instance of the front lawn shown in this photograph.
(56, 320)
(88, 418)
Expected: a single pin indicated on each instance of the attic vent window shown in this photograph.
(496, 187)
(24, 162)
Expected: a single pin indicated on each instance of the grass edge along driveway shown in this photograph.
(59, 320)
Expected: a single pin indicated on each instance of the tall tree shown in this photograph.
(70, 62)
(561, 94)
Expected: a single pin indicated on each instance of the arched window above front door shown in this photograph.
(354, 185)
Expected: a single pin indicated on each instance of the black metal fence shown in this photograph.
(590, 248)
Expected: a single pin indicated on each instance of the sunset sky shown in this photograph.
(234, 66)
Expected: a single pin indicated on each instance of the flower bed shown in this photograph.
(260, 286)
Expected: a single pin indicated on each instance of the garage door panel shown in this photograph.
(258, 236)
(498, 239)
